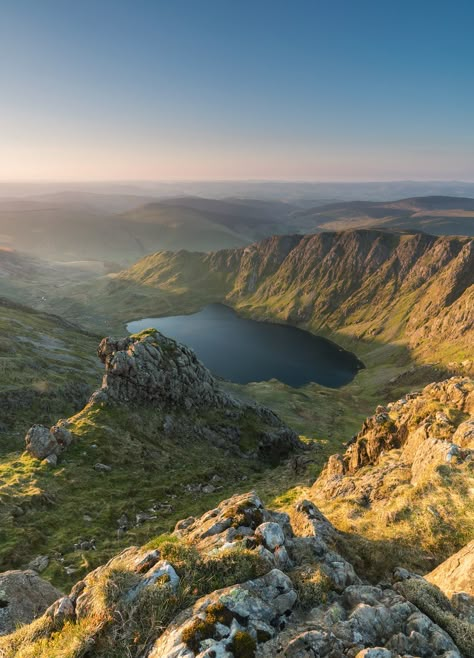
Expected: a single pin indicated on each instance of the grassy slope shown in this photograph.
(46, 511)
(48, 367)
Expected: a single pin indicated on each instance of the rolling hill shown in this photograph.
(439, 215)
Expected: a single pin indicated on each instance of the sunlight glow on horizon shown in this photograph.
(104, 91)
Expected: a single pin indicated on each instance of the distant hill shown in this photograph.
(439, 215)
(123, 228)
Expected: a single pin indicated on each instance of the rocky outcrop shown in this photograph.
(154, 371)
(23, 597)
(304, 600)
(416, 434)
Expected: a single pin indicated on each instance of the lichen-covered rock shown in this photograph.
(23, 597)
(315, 606)
(258, 608)
(151, 368)
(40, 442)
(238, 522)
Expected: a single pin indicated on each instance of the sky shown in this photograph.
(236, 89)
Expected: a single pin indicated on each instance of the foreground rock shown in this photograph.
(23, 597)
(243, 581)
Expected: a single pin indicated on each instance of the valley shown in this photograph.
(162, 439)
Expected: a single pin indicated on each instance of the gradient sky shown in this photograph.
(236, 89)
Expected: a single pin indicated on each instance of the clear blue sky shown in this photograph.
(226, 89)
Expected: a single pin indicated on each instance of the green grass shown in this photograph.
(47, 370)
(47, 510)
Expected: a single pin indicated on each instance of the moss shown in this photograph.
(431, 600)
(243, 645)
(218, 613)
(312, 586)
(196, 632)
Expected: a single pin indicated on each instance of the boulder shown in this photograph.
(40, 442)
(24, 596)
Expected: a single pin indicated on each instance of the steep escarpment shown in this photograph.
(364, 288)
(159, 438)
(243, 581)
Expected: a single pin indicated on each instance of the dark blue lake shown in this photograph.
(243, 350)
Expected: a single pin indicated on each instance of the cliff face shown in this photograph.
(362, 284)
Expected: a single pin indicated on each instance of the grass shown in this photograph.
(117, 626)
(47, 370)
(47, 510)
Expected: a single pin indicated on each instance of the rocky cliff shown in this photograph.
(367, 285)
(408, 474)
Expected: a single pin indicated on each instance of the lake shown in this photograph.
(243, 350)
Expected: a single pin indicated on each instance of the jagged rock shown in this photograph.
(268, 615)
(23, 597)
(257, 607)
(154, 368)
(393, 454)
(271, 535)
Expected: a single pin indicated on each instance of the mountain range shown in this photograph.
(118, 229)
(149, 509)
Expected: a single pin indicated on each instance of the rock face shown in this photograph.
(404, 444)
(305, 602)
(456, 574)
(23, 597)
(358, 280)
(152, 370)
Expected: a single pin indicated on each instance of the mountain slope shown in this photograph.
(48, 369)
(154, 442)
(363, 288)
(407, 475)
